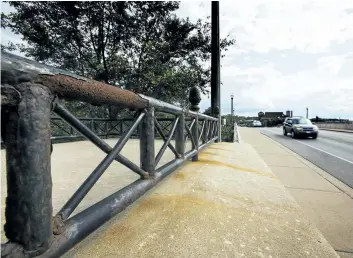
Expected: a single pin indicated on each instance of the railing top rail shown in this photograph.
(96, 118)
(67, 85)
(203, 116)
(160, 105)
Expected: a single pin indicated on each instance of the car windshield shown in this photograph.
(301, 121)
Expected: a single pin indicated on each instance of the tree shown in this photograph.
(140, 46)
(208, 111)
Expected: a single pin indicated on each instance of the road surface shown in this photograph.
(331, 151)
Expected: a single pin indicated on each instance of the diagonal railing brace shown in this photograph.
(167, 142)
(85, 131)
(81, 192)
(161, 133)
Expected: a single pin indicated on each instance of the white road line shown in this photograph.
(326, 152)
(351, 162)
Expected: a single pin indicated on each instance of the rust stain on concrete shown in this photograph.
(218, 148)
(211, 153)
(245, 169)
(178, 223)
(180, 176)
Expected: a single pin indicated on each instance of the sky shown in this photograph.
(288, 55)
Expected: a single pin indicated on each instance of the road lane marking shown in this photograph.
(326, 152)
(338, 157)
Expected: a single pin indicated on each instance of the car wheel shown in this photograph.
(293, 134)
(284, 132)
(315, 136)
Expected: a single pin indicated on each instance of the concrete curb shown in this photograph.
(331, 179)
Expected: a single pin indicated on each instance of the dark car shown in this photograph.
(300, 126)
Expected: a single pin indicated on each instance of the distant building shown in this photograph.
(272, 118)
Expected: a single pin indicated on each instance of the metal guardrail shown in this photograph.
(30, 92)
(337, 126)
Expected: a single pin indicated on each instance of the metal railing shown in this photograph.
(104, 127)
(335, 126)
(30, 93)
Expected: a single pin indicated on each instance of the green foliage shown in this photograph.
(227, 133)
(140, 46)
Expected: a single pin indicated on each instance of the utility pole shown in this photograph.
(215, 66)
(231, 108)
(307, 113)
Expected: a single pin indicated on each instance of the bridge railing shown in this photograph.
(337, 126)
(103, 127)
(30, 92)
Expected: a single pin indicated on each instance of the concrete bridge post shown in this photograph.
(26, 133)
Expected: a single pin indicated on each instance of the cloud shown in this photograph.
(288, 55)
(337, 64)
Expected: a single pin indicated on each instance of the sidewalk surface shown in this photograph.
(318, 193)
(228, 204)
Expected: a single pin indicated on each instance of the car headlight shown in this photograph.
(298, 128)
(315, 128)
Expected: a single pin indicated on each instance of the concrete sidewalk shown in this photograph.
(326, 201)
(228, 204)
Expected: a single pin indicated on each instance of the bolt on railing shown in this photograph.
(30, 92)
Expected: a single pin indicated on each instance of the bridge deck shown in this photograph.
(229, 204)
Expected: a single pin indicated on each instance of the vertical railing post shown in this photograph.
(210, 131)
(121, 128)
(147, 150)
(106, 128)
(195, 135)
(205, 131)
(92, 124)
(213, 133)
(216, 129)
(26, 133)
(180, 136)
(195, 99)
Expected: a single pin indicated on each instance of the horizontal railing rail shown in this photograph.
(30, 92)
(103, 127)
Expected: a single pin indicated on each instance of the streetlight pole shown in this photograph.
(215, 66)
(307, 113)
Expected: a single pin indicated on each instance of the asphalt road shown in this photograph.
(331, 151)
